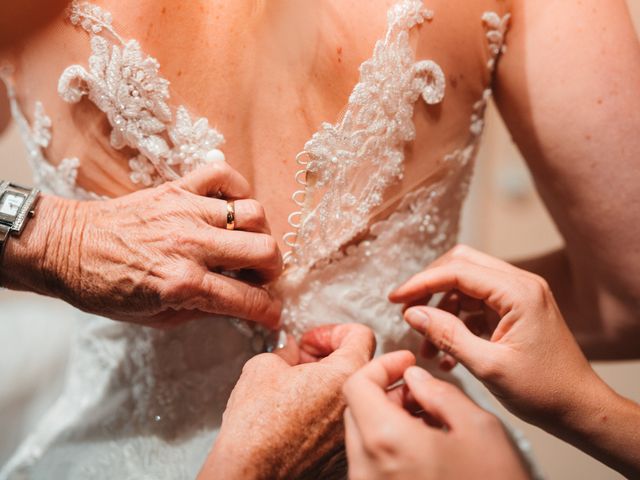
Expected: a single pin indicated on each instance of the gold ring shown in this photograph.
(231, 215)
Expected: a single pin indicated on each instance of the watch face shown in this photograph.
(11, 202)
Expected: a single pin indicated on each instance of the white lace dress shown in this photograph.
(140, 403)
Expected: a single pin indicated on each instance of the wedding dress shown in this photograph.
(141, 403)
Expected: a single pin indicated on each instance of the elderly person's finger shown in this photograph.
(233, 250)
(346, 345)
(289, 352)
(152, 253)
(284, 397)
(219, 294)
(249, 214)
(230, 251)
(217, 179)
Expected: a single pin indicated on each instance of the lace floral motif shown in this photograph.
(370, 137)
(60, 179)
(195, 140)
(92, 19)
(423, 227)
(125, 84)
(496, 29)
(143, 172)
(146, 404)
(41, 131)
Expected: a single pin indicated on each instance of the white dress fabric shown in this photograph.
(140, 403)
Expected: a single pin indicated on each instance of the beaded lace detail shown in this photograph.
(370, 137)
(146, 404)
(125, 84)
(60, 179)
(347, 166)
(423, 227)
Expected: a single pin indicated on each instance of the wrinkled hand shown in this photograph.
(528, 357)
(425, 429)
(156, 256)
(285, 416)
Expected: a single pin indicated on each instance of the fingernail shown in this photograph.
(418, 374)
(417, 317)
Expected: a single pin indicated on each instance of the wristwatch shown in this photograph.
(16, 206)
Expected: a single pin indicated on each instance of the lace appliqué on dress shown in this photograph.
(496, 28)
(145, 404)
(336, 202)
(59, 180)
(423, 227)
(125, 84)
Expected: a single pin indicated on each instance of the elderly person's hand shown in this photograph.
(425, 429)
(528, 357)
(157, 256)
(284, 416)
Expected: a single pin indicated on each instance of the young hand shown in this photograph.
(529, 358)
(426, 429)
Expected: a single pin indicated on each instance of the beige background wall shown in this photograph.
(504, 217)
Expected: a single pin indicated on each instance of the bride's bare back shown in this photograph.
(266, 75)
